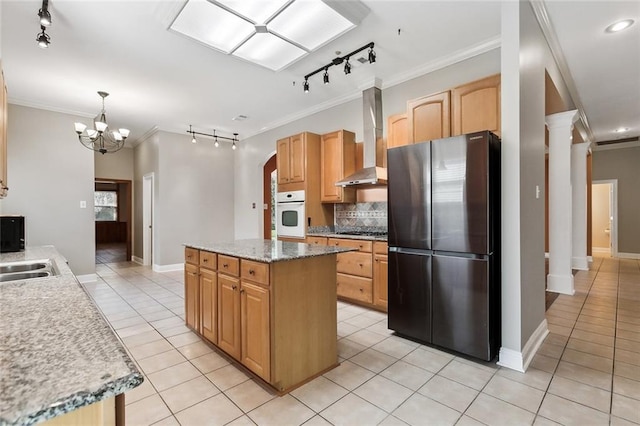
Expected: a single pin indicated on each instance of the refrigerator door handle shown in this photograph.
(404, 250)
(462, 255)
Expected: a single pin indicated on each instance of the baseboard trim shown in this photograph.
(519, 361)
(580, 263)
(590, 259)
(561, 284)
(628, 255)
(602, 250)
(169, 268)
(138, 260)
(87, 278)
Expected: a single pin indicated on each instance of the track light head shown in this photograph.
(347, 67)
(326, 76)
(216, 143)
(44, 15)
(372, 55)
(305, 86)
(43, 39)
(233, 147)
(193, 139)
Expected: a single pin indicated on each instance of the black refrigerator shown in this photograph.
(444, 240)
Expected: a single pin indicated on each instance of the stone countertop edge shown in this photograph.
(382, 238)
(268, 251)
(54, 359)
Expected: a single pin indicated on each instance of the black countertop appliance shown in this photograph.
(444, 237)
(11, 233)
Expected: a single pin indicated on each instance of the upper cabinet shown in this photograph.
(338, 160)
(397, 130)
(428, 118)
(476, 106)
(3, 137)
(290, 159)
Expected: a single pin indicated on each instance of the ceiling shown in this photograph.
(158, 78)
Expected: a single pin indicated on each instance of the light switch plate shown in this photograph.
(83, 204)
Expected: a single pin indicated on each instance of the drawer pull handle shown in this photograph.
(205, 260)
(241, 291)
(234, 287)
(189, 257)
(252, 272)
(361, 290)
(225, 265)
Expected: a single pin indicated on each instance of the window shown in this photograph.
(106, 206)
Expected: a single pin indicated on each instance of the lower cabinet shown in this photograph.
(380, 275)
(192, 296)
(229, 315)
(209, 304)
(254, 320)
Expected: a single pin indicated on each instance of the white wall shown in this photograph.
(118, 165)
(255, 151)
(50, 172)
(145, 161)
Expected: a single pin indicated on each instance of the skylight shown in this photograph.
(270, 33)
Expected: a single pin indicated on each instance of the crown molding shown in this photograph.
(152, 131)
(30, 104)
(542, 16)
(621, 145)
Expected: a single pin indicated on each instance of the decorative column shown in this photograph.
(560, 278)
(579, 152)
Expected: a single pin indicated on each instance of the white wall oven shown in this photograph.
(290, 214)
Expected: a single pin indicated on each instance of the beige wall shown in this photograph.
(50, 173)
(118, 165)
(600, 216)
(624, 165)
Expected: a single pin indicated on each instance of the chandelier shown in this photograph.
(99, 139)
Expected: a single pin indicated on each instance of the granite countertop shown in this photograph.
(58, 353)
(267, 251)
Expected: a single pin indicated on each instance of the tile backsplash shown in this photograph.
(370, 215)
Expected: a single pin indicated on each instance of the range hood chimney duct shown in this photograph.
(373, 172)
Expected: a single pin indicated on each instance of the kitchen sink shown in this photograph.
(25, 270)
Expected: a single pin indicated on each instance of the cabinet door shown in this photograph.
(282, 160)
(428, 118)
(476, 106)
(229, 315)
(338, 161)
(255, 329)
(209, 305)
(380, 280)
(296, 158)
(397, 130)
(191, 296)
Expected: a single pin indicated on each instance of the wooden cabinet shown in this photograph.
(3, 137)
(338, 161)
(209, 304)
(354, 270)
(428, 118)
(317, 240)
(229, 315)
(192, 296)
(397, 134)
(380, 275)
(291, 159)
(476, 106)
(256, 334)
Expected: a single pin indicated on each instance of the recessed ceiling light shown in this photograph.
(622, 129)
(619, 26)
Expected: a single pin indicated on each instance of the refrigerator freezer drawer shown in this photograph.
(355, 288)
(410, 294)
(462, 318)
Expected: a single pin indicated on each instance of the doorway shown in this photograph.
(147, 219)
(112, 218)
(604, 206)
(270, 181)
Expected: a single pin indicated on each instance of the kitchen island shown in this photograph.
(59, 359)
(270, 305)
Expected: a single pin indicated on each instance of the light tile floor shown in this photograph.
(587, 371)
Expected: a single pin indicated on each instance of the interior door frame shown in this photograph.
(613, 212)
(129, 210)
(148, 219)
(269, 166)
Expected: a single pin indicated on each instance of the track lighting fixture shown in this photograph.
(347, 67)
(43, 39)
(215, 137)
(337, 61)
(44, 15)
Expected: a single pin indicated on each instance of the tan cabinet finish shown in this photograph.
(191, 256)
(291, 159)
(355, 263)
(380, 274)
(428, 118)
(317, 240)
(229, 315)
(3, 137)
(208, 260)
(476, 106)
(362, 245)
(278, 320)
(338, 161)
(397, 130)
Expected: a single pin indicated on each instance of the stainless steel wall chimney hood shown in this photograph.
(373, 173)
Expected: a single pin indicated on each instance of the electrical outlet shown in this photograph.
(83, 204)
(537, 192)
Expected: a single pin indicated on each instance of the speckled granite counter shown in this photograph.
(57, 352)
(267, 251)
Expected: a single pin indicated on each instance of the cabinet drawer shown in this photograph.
(191, 255)
(380, 247)
(317, 240)
(355, 263)
(228, 265)
(361, 245)
(254, 271)
(356, 288)
(208, 260)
